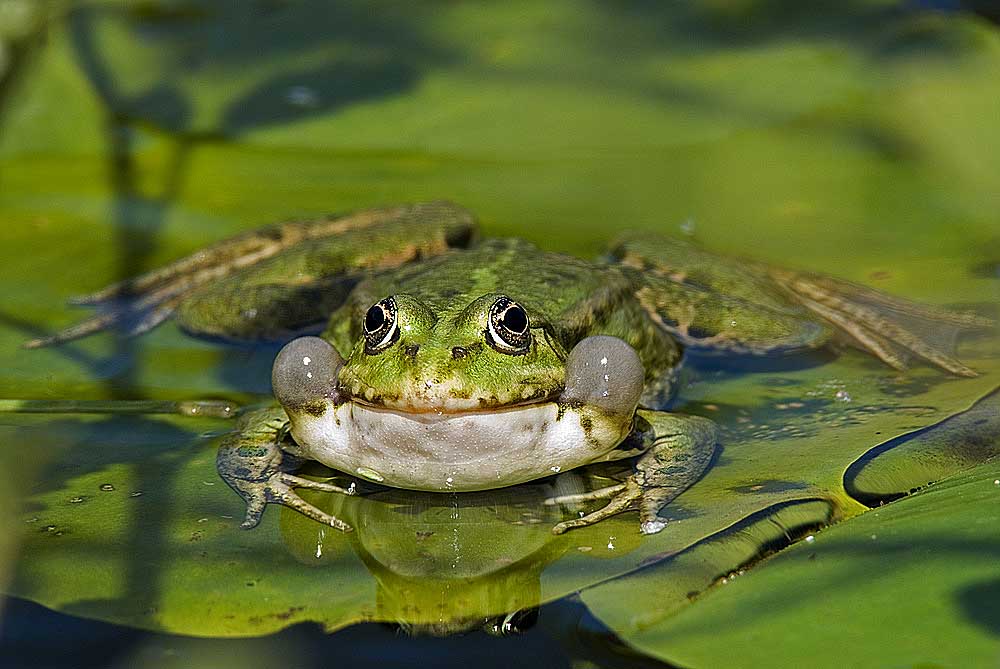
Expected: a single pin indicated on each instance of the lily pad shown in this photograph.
(914, 583)
(913, 461)
(799, 136)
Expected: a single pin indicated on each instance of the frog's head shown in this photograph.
(468, 398)
(490, 355)
(486, 355)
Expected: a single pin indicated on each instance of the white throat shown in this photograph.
(461, 452)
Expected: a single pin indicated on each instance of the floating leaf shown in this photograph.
(914, 583)
(793, 134)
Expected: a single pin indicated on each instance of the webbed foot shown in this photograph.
(678, 450)
(252, 462)
(890, 328)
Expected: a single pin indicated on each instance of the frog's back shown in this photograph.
(549, 283)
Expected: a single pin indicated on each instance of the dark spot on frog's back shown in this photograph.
(459, 352)
(251, 451)
(272, 232)
(695, 332)
(668, 321)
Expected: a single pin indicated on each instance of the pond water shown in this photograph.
(859, 141)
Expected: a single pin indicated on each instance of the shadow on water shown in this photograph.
(981, 604)
(645, 28)
(567, 635)
(337, 54)
(248, 368)
(383, 57)
(857, 24)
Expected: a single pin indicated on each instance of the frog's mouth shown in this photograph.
(434, 441)
(433, 406)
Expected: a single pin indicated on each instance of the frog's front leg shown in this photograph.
(678, 449)
(256, 461)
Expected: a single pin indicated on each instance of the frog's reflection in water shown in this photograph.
(445, 563)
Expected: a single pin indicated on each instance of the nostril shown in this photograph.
(459, 352)
(411, 350)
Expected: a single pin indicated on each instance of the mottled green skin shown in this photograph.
(443, 304)
(440, 402)
(715, 304)
(298, 287)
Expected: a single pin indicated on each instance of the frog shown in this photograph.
(424, 356)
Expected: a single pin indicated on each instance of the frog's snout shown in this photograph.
(305, 371)
(605, 372)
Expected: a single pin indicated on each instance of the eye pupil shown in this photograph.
(508, 330)
(381, 330)
(515, 320)
(375, 318)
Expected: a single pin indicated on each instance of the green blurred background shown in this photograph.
(858, 138)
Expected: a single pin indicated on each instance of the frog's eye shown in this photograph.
(508, 327)
(381, 329)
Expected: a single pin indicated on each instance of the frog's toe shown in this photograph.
(293, 481)
(305, 371)
(255, 509)
(282, 492)
(580, 498)
(251, 462)
(652, 525)
(606, 372)
(279, 488)
(623, 498)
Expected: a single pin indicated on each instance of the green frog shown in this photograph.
(453, 363)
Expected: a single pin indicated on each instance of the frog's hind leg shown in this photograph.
(253, 464)
(679, 449)
(278, 270)
(715, 304)
(890, 328)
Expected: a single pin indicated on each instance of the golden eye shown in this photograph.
(509, 330)
(381, 330)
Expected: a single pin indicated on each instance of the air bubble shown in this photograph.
(303, 97)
